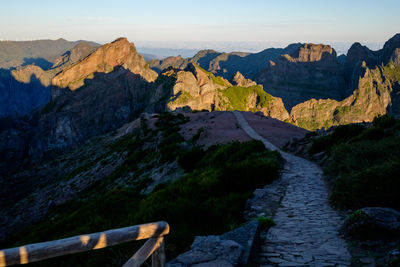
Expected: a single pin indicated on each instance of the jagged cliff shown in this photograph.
(104, 60)
(198, 89)
(311, 71)
(376, 77)
(226, 64)
(114, 88)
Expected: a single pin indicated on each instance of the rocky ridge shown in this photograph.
(198, 89)
(239, 80)
(226, 64)
(377, 91)
(104, 60)
(311, 71)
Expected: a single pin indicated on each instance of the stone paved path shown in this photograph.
(306, 231)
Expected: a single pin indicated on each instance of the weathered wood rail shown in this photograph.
(39, 251)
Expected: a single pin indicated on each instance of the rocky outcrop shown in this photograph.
(77, 53)
(396, 56)
(192, 87)
(389, 49)
(239, 80)
(24, 74)
(377, 94)
(118, 91)
(233, 248)
(311, 71)
(198, 89)
(323, 54)
(104, 60)
(373, 222)
(372, 78)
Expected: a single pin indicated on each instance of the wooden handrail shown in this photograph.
(40, 251)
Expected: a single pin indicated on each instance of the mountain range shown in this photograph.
(85, 129)
(90, 90)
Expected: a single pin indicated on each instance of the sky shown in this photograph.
(188, 23)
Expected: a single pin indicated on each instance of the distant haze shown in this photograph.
(189, 49)
(222, 25)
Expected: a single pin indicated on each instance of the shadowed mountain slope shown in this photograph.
(41, 52)
(226, 64)
(377, 84)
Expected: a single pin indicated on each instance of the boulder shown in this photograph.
(373, 223)
(230, 249)
(210, 251)
(385, 218)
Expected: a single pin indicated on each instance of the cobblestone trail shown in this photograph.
(307, 228)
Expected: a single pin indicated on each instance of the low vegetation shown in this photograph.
(238, 97)
(209, 198)
(364, 163)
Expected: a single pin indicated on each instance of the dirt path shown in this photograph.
(306, 231)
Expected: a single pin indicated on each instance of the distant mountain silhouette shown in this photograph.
(28, 87)
(40, 52)
(226, 64)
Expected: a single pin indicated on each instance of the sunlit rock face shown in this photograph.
(375, 76)
(311, 71)
(104, 60)
(102, 91)
(197, 89)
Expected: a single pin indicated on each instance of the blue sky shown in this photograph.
(206, 20)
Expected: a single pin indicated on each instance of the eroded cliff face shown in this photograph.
(311, 71)
(198, 89)
(104, 104)
(239, 80)
(375, 75)
(104, 60)
(114, 85)
(226, 64)
(377, 94)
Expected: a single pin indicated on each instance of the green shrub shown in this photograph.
(340, 134)
(364, 167)
(208, 199)
(377, 185)
(238, 97)
(384, 121)
(190, 159)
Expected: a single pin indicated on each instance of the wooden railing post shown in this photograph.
(158, 257)
(144, 252)
(40, 251)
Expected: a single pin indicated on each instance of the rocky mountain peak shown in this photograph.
(313, 53)
(358, 53)
(104, 60)
(389, 49)
(239, 80)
